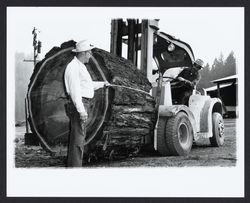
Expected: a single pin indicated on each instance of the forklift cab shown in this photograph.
(170, 52)
(171, 56)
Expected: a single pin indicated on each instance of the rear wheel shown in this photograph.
(177, 135)
(218, 130)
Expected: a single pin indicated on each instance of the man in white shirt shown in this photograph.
(80, 89)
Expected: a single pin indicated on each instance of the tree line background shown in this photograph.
(23, 71)
(220, 68)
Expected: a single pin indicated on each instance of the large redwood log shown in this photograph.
(121, 118)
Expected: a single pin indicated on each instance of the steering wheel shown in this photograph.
(167, 78)
(176, 82)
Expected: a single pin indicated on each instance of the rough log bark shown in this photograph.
(120, 118)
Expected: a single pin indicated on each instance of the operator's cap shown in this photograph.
(83, 45)
(199, 62)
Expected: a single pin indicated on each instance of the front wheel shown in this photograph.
(218, 130)
(176, 135)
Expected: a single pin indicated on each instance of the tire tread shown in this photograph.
(162, 147)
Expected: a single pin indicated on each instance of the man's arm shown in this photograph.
(186, 81)
(99, 84)
(195, 82)
(191, 83)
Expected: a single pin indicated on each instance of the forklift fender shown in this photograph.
(211, 105)
(170, 111)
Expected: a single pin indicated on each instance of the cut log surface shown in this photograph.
(120, 118)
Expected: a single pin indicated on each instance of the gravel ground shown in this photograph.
(202, 154)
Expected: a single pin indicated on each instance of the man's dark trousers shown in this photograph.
(77, 135)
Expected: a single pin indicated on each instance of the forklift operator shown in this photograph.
(190, 77)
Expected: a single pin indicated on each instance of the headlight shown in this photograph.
(171, 47)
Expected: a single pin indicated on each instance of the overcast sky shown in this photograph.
(209, 31)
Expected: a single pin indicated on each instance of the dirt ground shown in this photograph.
(202, 154)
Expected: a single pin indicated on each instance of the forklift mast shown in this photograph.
(145, 44)
(139, 38)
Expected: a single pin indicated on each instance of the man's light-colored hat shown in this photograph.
(83, 45)
(199, 62)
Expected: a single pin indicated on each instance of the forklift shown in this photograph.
(178, 125)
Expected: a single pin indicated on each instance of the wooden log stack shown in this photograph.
(122, 116)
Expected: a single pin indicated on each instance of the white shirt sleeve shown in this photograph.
(74, 89)
(98, 85)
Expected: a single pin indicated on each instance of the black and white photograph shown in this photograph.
(125, 101)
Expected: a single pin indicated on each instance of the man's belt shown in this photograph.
(85, 98)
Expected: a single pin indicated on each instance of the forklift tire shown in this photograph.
(162, 147)
(218, 130)
(177, 137)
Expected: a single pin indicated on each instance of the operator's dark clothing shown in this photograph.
(192, 74)
(183, 93)
(77, 133)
